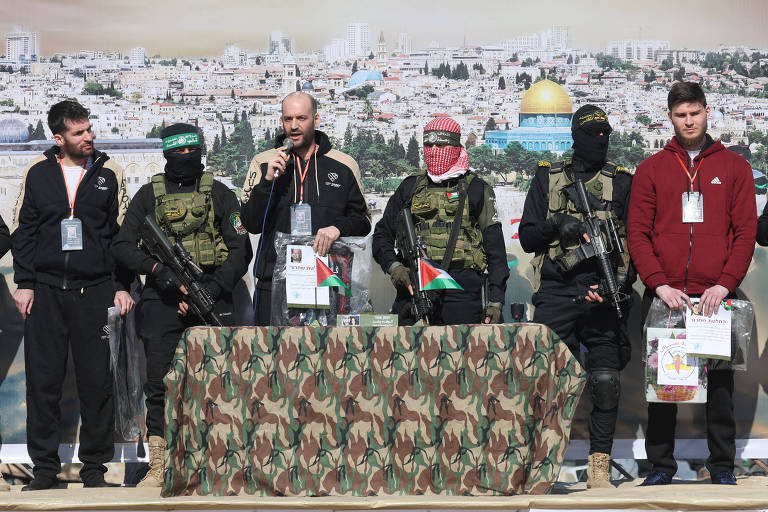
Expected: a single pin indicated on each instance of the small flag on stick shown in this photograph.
(326, 277)
(433, 278)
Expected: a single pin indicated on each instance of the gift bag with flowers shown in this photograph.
(671, 375)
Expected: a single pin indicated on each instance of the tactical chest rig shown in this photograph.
(601, 187)
(188, 218)
(434, 211)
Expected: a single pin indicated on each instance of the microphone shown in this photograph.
(288, 143)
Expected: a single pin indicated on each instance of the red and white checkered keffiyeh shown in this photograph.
(448, 162)
(447, 124)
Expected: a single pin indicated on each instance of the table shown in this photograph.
(362, 411)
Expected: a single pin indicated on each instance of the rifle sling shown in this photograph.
(451, 246)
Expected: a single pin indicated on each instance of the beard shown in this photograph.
(79, 150)
(691, 142)
(306, 137)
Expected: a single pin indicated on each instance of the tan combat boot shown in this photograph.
(154, 477)
(3, 485)
(599, 471)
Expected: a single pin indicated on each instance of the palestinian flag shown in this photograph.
(452, 194)
(326, 277)
(433, 278)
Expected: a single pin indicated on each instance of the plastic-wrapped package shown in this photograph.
(663, 324)
(125, 351)
(349, 259)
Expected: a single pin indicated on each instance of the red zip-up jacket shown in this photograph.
(694, 256)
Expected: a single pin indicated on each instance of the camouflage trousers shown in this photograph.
(304, 411)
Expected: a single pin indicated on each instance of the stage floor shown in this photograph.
(751, 493)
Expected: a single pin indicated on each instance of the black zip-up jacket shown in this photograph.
(100, 203)
(493, 238)
(335, 195)
(5, 238)
(226, 209)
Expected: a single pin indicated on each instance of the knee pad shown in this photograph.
(605, 388)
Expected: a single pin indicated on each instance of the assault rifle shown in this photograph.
(410, 247)
(604, 242)
(181, 264)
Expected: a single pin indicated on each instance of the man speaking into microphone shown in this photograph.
(302, 187)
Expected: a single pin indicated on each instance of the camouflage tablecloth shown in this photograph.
(291, 411)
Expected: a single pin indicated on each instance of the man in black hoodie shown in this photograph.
(71, 203)
(551, 226)
(312, 181)
(204, 216)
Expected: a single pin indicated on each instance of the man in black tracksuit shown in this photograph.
(551, 225)
(72, 200)
(204, 216)
(434, 197)
(312, 174)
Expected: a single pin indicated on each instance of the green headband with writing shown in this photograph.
(181, 140)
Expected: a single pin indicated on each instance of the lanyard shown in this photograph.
(70, 198)
(688, 173)
(303, 174)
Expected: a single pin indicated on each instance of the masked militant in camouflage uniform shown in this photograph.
(202, 215)
(454, 214)
(552, 226)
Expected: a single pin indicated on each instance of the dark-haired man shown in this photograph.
(204, 216)
(551, 227)
(317, 191)
(691, 233)
(72, 200)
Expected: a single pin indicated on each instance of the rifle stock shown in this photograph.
(181, 264)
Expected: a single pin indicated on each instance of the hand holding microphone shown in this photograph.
(277, 164)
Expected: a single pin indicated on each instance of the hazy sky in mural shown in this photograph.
(204, 27)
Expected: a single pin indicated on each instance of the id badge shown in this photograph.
(71, 235)
(693, 207)
(301, 219)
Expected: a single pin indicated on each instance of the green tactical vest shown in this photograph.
(188, 218)
(600, 186)
(434, 210)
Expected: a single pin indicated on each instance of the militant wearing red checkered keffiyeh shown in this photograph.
(451, 160)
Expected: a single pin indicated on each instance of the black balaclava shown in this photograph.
(588, 145)
(182, 169)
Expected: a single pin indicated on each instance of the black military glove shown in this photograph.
(493, 311)
(165, 280)
(400, 277)
(569, 227)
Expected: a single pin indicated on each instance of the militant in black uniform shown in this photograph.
(203, 215)
(553, 228)
(5, 240)
(454, 214)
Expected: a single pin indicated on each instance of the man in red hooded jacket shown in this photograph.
(691, 233)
